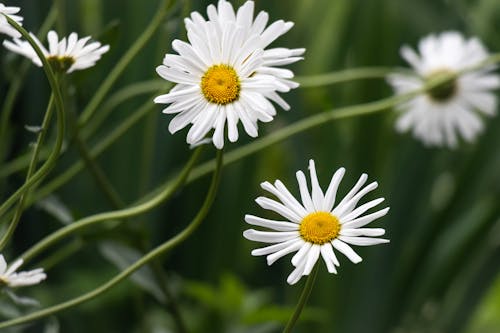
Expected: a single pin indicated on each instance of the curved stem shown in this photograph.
(117, 214)
(34, 160)
(259, 144)
(95, 151)
(130, 91)
(123, 63)
(302, 300)
(255, 146)
(351, 74)
(50, 162)
(155, 253)
(18, 81)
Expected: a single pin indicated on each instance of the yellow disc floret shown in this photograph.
(220, 84)
(319, 228)
(61, 63)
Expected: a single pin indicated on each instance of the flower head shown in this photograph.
(448, 111)
(65, 55)
(225, 74)
(315, 226)
(5, 27)
(9, 277)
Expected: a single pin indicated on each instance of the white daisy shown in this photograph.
(447, 111)
(9, 277)
(65, 55)
(314, 226)
(5, 27)
(225, 74)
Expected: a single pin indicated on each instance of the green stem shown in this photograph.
(98, 174)
(123, 63)
(154, 201)
(18, 81)
(116, 99)
(50, 162)
(96, 151)
(345, 75)
(302, 300)
(32, 166)
(255, 146)
(122, 95)
(155, 253)
(148, 151)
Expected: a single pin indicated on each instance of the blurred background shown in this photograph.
(440, 273)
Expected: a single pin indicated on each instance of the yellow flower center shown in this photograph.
(60, 64)
(442, 92)
(220, 84)
(319, 228)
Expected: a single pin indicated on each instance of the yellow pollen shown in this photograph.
(319, 228)
(220, 84)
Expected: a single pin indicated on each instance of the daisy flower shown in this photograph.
(315, 226)
(225, 74)
(65, 55)
(5, 27)
(451, 110)
(9, 277)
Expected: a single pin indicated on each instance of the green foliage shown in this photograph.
(440, 272)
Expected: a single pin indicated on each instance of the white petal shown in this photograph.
(301, 254)
(331, 192)
(281, 209)
(275, 247)
(317, 194)
(304, 192)
(312, 258)
(269, 236)
(347, 251)
(364, 220)
(363, 241)
(297, 243)
(271, 224)
(371, 232)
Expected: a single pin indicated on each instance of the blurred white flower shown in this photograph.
(9, 277)
(313, 227)
(5, 27)
(65, 55)
(451, 110)
(224, 74)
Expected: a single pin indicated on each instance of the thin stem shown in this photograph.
(18, 81)
(32, 166)
(155, 253)
(137, 209)
(116, 99)
(98, 174)
(50, 162)
(302, 300)
(96, 151)
(132, 90)
(148, 151)
(123, 63)
(350, 74)
(255, 146)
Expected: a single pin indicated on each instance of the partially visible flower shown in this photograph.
(5, 27)
(65, 55)
(314, 227)
(448, 111)
(9, 277)
(225, 74)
